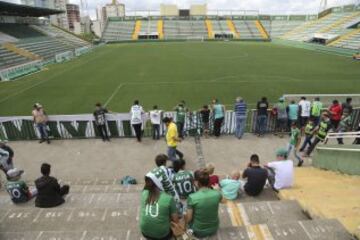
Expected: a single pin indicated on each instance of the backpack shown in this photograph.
(128, 180)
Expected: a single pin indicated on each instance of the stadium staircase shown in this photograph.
(232, 28)
(103, 209)
(137, 30)
(160, 29)
(22, 52)
(338, 26)
(209, 27)
(262, 30)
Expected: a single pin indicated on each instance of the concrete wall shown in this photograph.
(169, 10)
(198, 10)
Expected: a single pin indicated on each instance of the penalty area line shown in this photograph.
(114, 94)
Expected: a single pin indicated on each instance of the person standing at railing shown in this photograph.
(335, 114)
(240, 113)
(316, 108)
(219, 116)
(40, 120)
(344, 125)
(321, 131)
(205, 117)
(304, 110)
(280, 112)
(100, 121)
(181, 111)
(293, 113)
(347, 106)
(155, 118)
(262, 115)
(137, 112)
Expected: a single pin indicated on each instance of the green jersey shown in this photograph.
(316, 108)
(309, 128)
(155, 218)
(205, 206)
(324, 127)
(162, 174)
(183, 182)
(180, 114)
(294, 138)
(18, 191)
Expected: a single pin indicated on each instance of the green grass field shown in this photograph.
(165, 73)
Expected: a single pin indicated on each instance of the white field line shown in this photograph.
(114, 94)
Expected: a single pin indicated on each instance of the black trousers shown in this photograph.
(217, 126)
(64, 190)
(313, 145)
(103, 132)
(168, 237)
(137, 129)
(156, 131)
(180, 128)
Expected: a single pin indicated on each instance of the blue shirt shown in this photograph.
(230, 188)
(293, 111)
(218, 111)
(240, 109)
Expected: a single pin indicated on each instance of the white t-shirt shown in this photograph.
(305, 108)
(284, 173)
(155, 116)
(136, 114)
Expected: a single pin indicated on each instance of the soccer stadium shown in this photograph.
(180, 121)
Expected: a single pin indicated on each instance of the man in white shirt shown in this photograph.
(155, 118)
(137, 112)
(281, 172)
(305, 110)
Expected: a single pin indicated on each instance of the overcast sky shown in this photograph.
(264, 6)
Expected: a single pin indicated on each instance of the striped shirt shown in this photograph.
(240, 109)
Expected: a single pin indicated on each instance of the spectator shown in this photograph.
(219, 115)
(345, 125)
(172, 139)
(40, 120)
(214, 179)
(240, 113)
(256, 177)
(6, 158)
(357, 140)
(335, 114)
(347, 106)
(280, 110)
(262, 114)
(281, 172)
(158, 210)
(183, 180)
(295, 140)
(309, 133)
(230, 188)
(321, 131)
(137, 112)
(50, 194)
(155, 118)
(164, 176)
(316, 108)
(304, 110)
(180, 118)
(293, 113)
(17, 188)
(203, 206)
(205, 117)
(100, 121)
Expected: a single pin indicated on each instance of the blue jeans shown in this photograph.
(240, 126)
(261, 124)
(172, 152)
(292, 148)
(307, 141)
(43, 131)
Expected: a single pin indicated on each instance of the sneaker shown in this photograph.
(300, 163)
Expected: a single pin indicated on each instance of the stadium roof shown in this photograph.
(11, 9)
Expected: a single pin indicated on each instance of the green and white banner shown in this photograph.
(118, 125)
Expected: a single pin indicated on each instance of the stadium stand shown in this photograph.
(9, 58)
(247, 29)
(118, 31)
(350, 40)
(183, 29)
(19, 31)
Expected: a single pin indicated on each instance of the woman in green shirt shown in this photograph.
(158, 210)
(203, 206)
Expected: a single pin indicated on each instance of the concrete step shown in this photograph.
(302, 230)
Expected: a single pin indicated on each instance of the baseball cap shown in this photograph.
(281, 99)
(281, 152)
(12, 173)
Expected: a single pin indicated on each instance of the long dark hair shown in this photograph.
(154, 192)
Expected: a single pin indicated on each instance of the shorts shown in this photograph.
(206, 126)
(303, 121)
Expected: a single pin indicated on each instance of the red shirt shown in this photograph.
(214, 180)
(336, 111)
